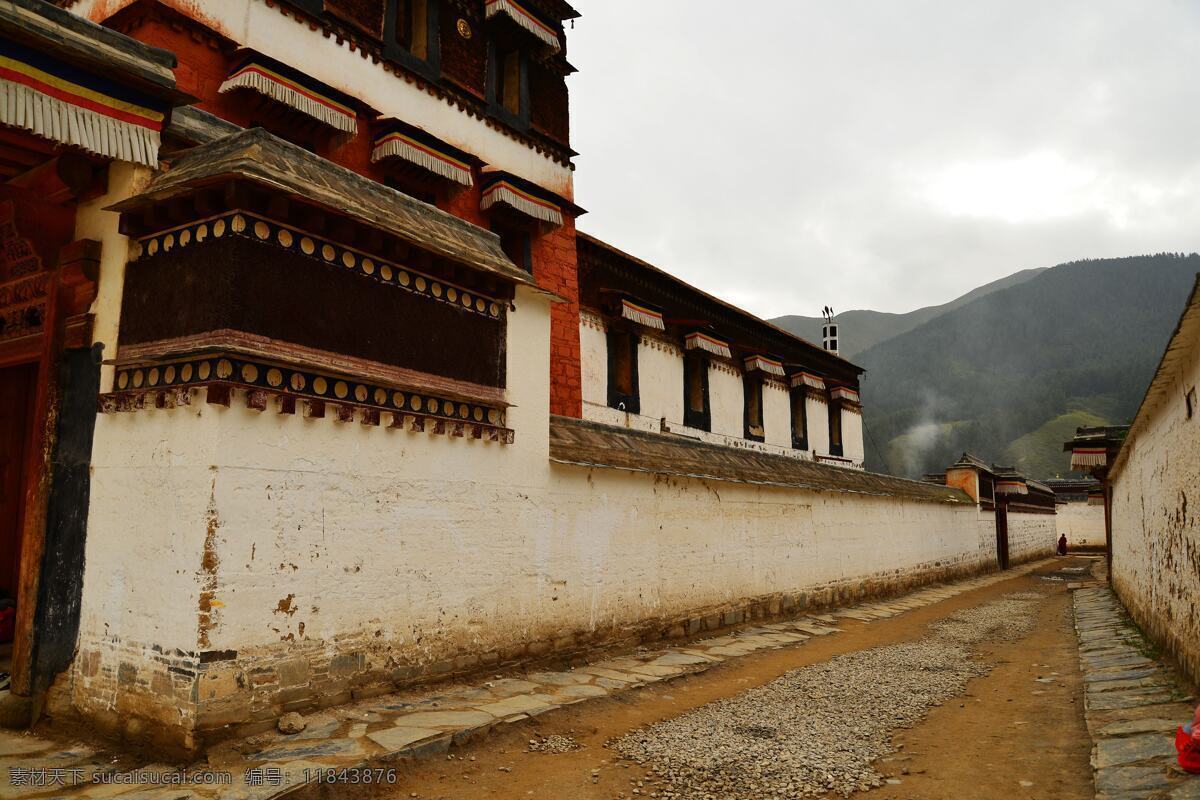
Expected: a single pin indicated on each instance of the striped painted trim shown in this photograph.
(842, 393)
(270, 83)
(63, 121)
(525, 19)
(526, 203)
(642, 315)
(701, 341)
(808, 379)
(1082, 458)
(60, 102)
(764, 364)
(402, 146)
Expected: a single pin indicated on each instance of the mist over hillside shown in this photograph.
(1010, 373)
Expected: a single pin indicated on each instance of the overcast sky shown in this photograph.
(888, 154)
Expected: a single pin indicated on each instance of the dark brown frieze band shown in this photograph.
(168, 384)
(258, 228)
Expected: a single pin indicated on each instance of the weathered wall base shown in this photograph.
(180, 702)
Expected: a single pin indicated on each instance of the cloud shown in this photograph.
(786, 154)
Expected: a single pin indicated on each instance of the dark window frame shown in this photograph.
(517, 244)
(621, 338)
(799, 400)
(752, 385)
(696, 362)
(836, 446)
(521, 118)
(429, 67)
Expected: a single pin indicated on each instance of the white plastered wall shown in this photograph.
(777, 414)
(726, 401)
(852, 436)
(818, 425)
(660, 380)
(1082, 523)
(1156, 516)
(1031, 536)
(266, 538)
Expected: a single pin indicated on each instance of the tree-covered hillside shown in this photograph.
(861, 329)
(1008, 374)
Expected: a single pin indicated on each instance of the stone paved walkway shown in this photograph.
(1132, 703)
(384, 730)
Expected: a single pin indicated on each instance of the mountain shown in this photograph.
(1009, 375)
(862, 329)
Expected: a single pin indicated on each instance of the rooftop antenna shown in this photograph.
(829, 331)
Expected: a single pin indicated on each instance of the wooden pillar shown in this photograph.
(36, 492)
(70, 290)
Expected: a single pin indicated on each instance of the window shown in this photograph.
(835, 429)
(696, 412)
(412, 27)
(752, 390)
(517, 244)
(410, 35)
(507, 80)
(1190, 401)
(623, 371)
(800, 418)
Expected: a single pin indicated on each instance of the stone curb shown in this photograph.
(1132, 703)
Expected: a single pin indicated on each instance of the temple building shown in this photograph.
(312, 392)
(660, 355)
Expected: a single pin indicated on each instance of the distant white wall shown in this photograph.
(1031, 536)
(1083, 524)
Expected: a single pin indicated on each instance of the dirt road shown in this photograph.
(1017, 732)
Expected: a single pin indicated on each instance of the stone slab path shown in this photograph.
(375, 734)
(1132, 703)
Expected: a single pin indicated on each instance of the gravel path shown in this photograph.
(817, 729)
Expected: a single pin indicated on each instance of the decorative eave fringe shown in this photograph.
(503, 193)
(765, 365)
(60, 121)
(842, 393)
(1085, 458)
(642, 316)
(525, 20)
(806, 379)
(1011, 487)
(698, 341)
(249, 79)
(402, 149)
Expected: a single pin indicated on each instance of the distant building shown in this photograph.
(1093, 451)
(660, 355)
(1023, 509)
